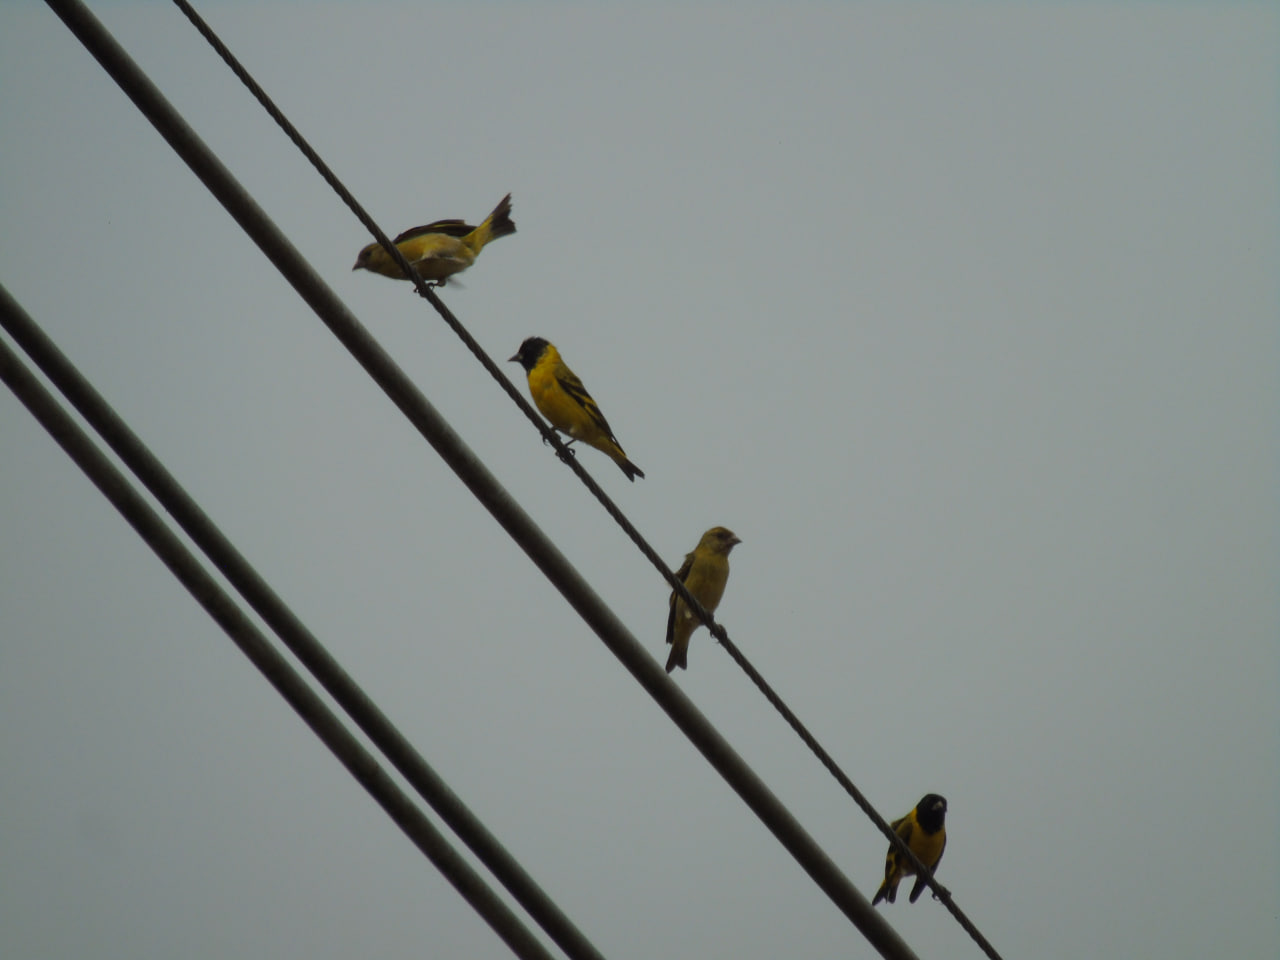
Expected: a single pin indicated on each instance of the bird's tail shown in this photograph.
(629, 468)
(887, 892)
(679, 656)
(495, 225)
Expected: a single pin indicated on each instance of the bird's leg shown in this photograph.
(566, 452)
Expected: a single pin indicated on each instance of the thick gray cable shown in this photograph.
(135, 455)
(219, 605)
(717, 630)
(476, 476)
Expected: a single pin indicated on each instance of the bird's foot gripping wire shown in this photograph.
(429, 284)
(567, 453)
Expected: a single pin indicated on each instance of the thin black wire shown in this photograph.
(427, 291)
(204, 533)
(482, 484)
(566, 454)
(236, 624)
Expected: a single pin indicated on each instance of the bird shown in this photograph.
(438, 250)
(923, 832)
(704, 573)
(563, 400)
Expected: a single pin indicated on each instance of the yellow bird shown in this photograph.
(563, 400)
(704, 574)
(437, 251)
(923, 832)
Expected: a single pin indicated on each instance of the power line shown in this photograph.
(135, 455)
(565, 454)
(306, 703)
(716, 630)
(427, 292)
(483, 485)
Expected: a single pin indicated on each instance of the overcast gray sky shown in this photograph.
(963, 316)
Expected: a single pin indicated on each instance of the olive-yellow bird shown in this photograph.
(563, 400)
(438, 250)
(923, 832)
(704, 573)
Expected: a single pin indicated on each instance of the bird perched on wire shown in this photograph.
(438, 250)
(704, 573)
(923, 832)
(563, 400)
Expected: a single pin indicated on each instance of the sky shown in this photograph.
(962, 316)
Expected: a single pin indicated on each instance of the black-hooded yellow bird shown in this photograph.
(563, 400)
(704, 573)
(438, 250)
(923, 832)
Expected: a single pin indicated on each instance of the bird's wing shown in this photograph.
(450, 228)
(682, 575)
(904, 829)
(571, 385)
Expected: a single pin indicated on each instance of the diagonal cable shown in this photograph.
(206, 535)
(484, 486)
(305, 702)
(427, 291)
(566, 455)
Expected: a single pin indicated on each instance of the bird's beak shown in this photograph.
(357, 266)
(514, 359)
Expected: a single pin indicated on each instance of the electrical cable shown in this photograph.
(716, 629)
(236, 624)
(206, 535)
(427, 292)
(546, 556)
(208, 169)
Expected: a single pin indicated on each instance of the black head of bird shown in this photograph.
(529, 352)
(931, 811)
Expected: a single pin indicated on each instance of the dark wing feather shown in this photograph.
(902, 827)
(571, 385)
(682, 575)
(450, 228)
